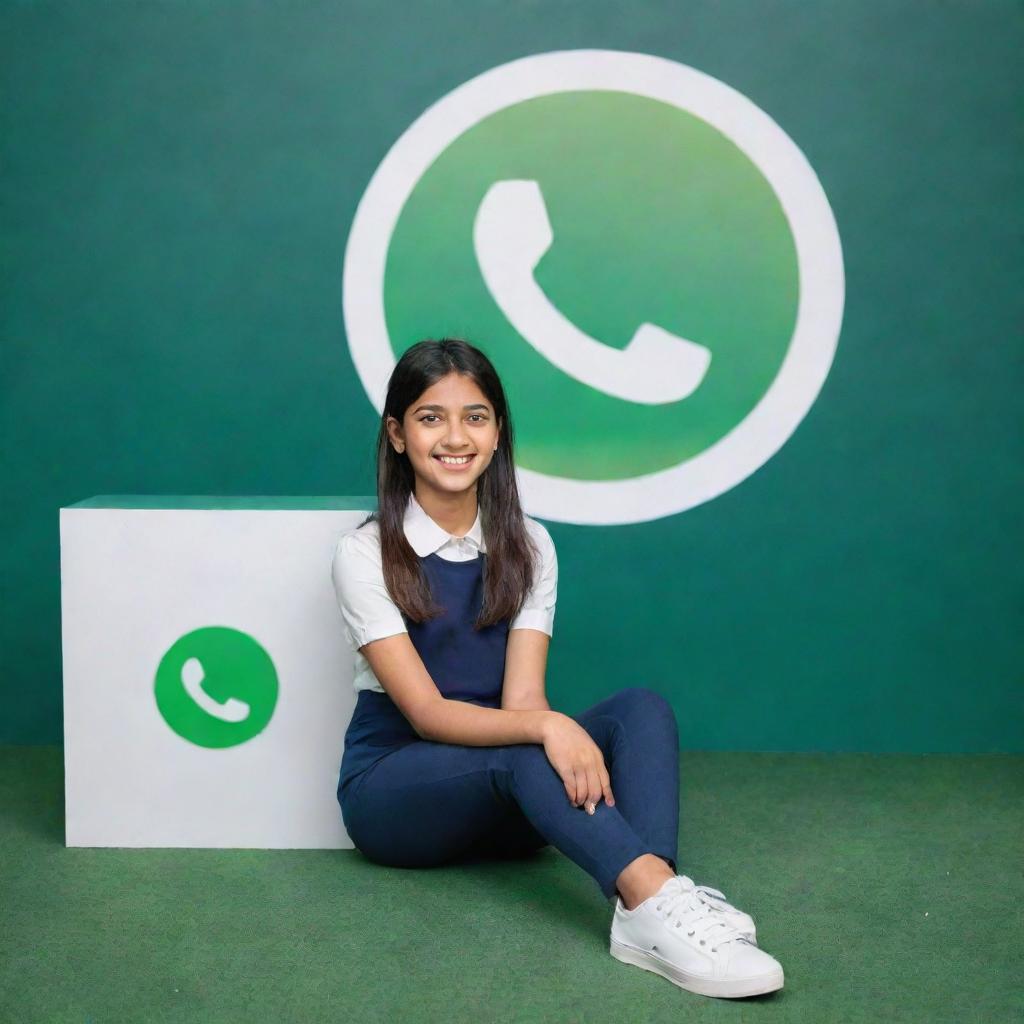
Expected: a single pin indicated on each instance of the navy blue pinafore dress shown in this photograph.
(465, 664)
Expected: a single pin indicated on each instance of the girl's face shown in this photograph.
(451, 418)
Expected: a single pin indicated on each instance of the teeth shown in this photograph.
(455, 462)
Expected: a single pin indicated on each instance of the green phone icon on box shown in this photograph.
(216, 687)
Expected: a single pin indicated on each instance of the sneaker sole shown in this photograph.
(723, 988)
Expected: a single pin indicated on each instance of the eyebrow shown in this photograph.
(440, 408)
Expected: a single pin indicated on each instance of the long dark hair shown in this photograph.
(509, 559)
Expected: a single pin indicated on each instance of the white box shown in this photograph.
(181, 617)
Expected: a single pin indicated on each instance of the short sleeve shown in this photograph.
(538, 611)
(366, 606)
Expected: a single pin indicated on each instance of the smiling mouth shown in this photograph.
(462, 460)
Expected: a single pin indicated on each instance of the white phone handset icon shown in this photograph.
(511, 233)
(232, 710)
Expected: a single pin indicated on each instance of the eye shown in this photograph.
(479, 417)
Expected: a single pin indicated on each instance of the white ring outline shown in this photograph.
(767, 427)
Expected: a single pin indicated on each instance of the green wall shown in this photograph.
(178, 181)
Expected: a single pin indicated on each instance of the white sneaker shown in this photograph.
(676, 934)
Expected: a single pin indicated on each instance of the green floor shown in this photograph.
(889, 887)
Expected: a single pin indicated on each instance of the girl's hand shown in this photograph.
(578, 761)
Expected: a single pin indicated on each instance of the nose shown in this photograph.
(456, 439)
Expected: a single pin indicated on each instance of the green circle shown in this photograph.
(233, 687)
(657, 217)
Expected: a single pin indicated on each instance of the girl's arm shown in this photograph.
(526, 656)
(399, 668)
(457, 721)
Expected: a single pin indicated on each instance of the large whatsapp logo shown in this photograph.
(646, 256)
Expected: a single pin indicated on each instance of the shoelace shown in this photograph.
(720, 902)
(717, 900)
(687, 909)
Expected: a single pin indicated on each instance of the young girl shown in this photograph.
(448, 596)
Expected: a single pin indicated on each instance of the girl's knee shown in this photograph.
(644, 698)
(645, 703)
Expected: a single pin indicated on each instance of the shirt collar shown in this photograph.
(426, 536)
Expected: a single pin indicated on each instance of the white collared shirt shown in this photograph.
(367, 611)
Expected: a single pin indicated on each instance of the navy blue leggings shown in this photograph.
(431, 803)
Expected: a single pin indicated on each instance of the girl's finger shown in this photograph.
(569, 781)
(606, 785)
(583, 787)
(593, 790)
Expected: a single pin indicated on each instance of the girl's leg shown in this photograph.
(512, 837)
(637, 732)
(427, 804)
(432, 803)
